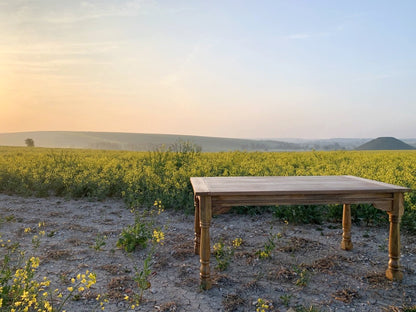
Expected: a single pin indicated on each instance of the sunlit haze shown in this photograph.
(244, 69)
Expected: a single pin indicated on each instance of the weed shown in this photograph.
(286, 299)
(263, 305)
(138, 234)
(303, 278)
(99, 242)
(20, 290)
(269, 246)
(223, 254)
(147, 233)
(142, 275)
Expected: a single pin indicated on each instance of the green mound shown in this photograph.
(385, 143)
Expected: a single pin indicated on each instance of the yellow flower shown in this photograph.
(80, 289)
(27, 230)
(48, 306)
(237, 242)
(126, 297)
(71, 289)
(72, 280)
(158, 236)
(34, 262)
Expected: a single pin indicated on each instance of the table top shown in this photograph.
(276, 185)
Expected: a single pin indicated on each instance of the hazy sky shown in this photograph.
(255, 69)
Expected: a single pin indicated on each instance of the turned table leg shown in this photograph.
(197, 225)
(205, 249)
(393, 271)
(346, 243)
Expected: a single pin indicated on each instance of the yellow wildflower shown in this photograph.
(237, 242)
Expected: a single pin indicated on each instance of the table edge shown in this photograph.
(201, 189)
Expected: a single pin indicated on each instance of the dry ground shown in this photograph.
(307, 268)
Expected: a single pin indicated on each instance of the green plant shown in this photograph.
(269, 246)
(223, 254)
(21, 291)
(99, 242)
(286, 299)
(263, 305)
(139, 233)
(299, 214)
(303, 278)
(369, 214)
(136, 235)
(142, 275)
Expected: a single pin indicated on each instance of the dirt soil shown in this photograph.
(307, 270)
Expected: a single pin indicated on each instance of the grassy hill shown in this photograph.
(138, 141)
(385, 143)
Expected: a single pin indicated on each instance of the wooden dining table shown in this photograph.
(215, 195)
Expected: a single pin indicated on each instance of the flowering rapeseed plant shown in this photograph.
(224, 253)
(263, 305)
(21, 291)
(156, 238)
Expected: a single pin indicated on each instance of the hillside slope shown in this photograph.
(137, 141)
(385, 143)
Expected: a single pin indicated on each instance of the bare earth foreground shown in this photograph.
(307, 267)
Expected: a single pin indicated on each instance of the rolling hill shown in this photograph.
(138, 141)
(385, 143)
(146, 142)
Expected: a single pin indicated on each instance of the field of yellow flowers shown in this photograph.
(142, 177)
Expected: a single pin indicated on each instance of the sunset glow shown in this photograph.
(254, 69)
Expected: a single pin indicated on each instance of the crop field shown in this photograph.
(84, 255)
(140, 178)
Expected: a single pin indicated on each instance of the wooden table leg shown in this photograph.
(346, 243)
(197, 225)
(393, 271)
(205, 249)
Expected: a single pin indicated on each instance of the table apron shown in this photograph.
(382, 201)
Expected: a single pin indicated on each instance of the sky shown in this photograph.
(242, 69)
